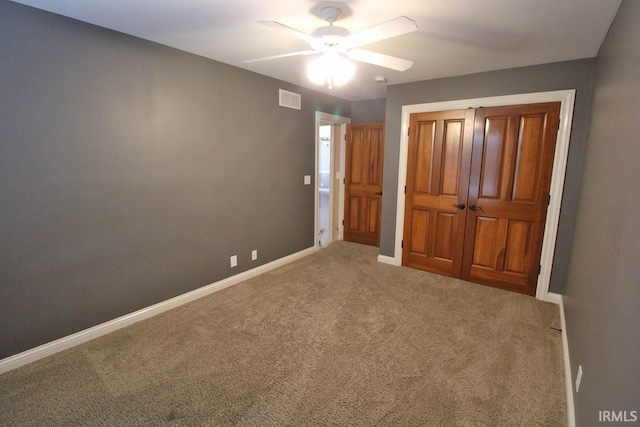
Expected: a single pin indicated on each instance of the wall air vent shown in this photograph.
(290, 99)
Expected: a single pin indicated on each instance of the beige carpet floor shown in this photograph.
(333, 339)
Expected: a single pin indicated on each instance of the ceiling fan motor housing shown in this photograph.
(329, 36)
(330, 31)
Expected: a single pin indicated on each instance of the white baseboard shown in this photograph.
(571, 415)
(69, 341)
(388, 260)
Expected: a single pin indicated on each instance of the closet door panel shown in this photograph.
(437, 185)
(493, 157)
(513, 152)
(529, 159)
(517, 247)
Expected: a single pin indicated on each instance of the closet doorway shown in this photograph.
(485, 224)
(477, 192)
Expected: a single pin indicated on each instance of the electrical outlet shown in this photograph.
(254, 255)
(234, 261)
(578, 378)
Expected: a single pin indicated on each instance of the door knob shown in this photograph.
(475, 208)
(459, 206)
(379, 193)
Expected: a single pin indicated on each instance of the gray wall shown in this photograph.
(603, 288)
(557, 76)
(368, 111)
(130, 172)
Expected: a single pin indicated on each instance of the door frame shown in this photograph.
(567, 100)
(337, 172)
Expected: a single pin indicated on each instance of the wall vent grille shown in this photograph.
(290, 99)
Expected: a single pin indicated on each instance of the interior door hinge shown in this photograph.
(558, 124)
(343, 222)
(344, 180)
(549, 200)
(408, 131)
(402, 244)
(405, 189)
(539, 269)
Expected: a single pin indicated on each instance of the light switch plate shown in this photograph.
(307, 180)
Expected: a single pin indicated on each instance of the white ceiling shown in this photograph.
(454, 37)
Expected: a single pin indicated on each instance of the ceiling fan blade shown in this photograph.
(380, 59)
(393, 28)
(284, 55)
(296, 33)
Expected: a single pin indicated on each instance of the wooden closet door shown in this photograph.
(513, 152)
(438, 165)
(363, 183)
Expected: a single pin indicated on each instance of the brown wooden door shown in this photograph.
(513, 154)
(436, 194)
(363, 183)
(498, 163)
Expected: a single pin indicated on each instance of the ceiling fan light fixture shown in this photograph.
(331, 69)
(339, 47)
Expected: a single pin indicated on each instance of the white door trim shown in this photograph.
(338, 174)
(566, 99)
(322, 118)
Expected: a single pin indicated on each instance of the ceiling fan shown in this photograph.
(337, 43)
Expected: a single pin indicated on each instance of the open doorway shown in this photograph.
(324, 185)
(329, 206)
